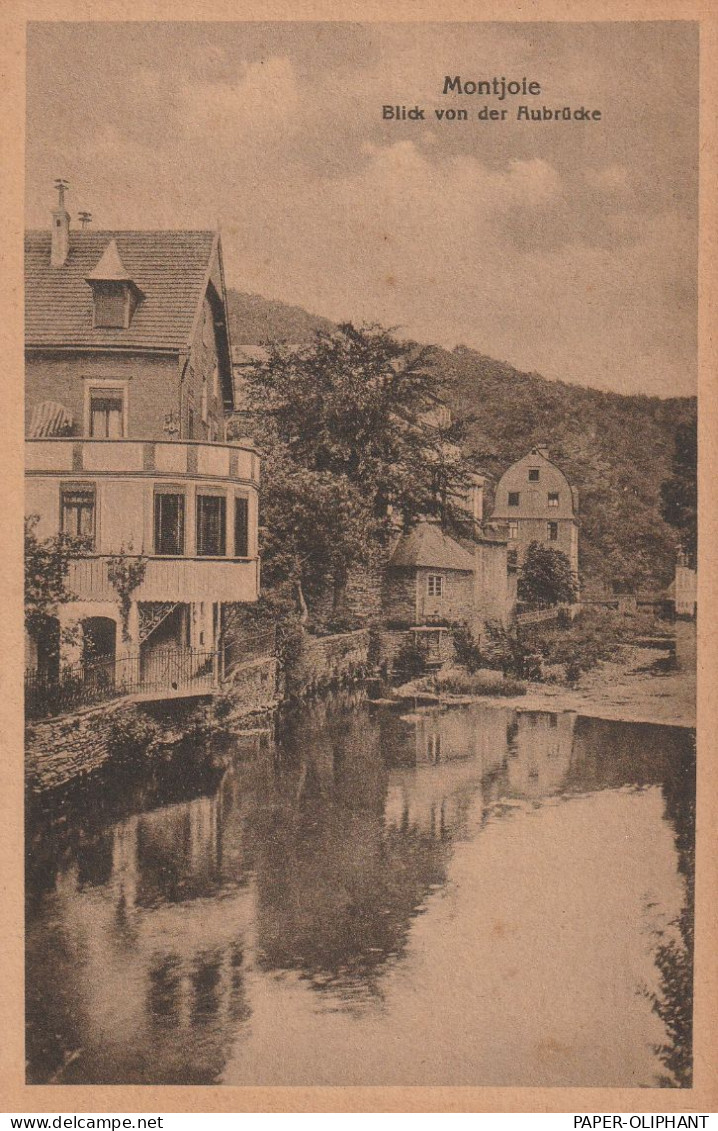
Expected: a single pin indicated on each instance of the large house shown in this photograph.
(128, 387)
(535, 503)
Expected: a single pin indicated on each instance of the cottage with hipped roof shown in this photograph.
(128, 387)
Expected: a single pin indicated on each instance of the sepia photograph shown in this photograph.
(360, 551)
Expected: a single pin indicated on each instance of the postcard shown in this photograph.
(353, 450)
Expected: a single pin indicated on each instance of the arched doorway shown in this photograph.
(99, 635)
(99, 643)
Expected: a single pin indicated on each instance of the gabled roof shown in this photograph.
(171, 270)
(427, 545)
(110, 268)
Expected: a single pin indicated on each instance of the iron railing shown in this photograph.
(167, 671)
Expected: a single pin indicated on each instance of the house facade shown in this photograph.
(128, 387)
(534, 502)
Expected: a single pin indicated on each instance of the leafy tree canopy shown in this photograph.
(679, 492)
(546, 577)
(47, 562)
(351, 431)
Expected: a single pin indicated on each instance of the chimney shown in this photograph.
(540, 450)
(60, 242)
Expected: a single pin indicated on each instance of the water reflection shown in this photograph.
(497, 887)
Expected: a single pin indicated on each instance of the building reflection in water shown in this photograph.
(314, 857)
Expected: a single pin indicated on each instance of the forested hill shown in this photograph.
(254, 320)
(616, 449)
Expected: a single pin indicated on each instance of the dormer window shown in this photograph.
(111, 306)
(115, 294)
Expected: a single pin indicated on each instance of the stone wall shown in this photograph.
(72, 746)
(254, 686)
(400, 596)
(387, 643)
(60, 750)
(326, 660)
(495, 596)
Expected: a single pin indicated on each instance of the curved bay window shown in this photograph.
(211, 526)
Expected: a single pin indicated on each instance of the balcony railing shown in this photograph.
(170, 579)
(173, 458)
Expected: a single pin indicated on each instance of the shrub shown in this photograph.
(532, 666)
(546, 577)
(132, 739)
(593, 637)
(506, 650)
(467, 683)
(466, 649)
(410, 660)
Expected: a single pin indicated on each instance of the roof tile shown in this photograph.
(169, 267)
(427, 545)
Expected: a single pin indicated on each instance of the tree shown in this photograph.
(351, 432)
(47, 561)
(546, 577)
(679, 493)
(315, 526)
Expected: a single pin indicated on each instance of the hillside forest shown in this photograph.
(617, 450)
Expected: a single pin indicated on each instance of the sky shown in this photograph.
(565, 248)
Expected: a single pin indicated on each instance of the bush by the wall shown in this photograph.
(132, 739)
(410, 660)
(467, 649)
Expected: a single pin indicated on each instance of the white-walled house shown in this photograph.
(535, 503)
(128, 387)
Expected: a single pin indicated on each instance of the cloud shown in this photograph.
(567, 250)
(260, 105)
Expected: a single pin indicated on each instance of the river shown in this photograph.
(476, 896)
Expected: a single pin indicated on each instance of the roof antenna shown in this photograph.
(85, 218)
(62, 186)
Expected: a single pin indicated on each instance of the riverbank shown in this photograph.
(638, 686)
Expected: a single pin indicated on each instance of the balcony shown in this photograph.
(175, 459)
(170, 579)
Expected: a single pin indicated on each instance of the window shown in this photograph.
(553, 532)
(513, 530)
(534, 475)
(241, 527)
(435, 585)
(111, 305)
(169, 523)
(553, 498)
(211, 525)
(77, 513)
(512, 559)
(513, 498)
(107, 415)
